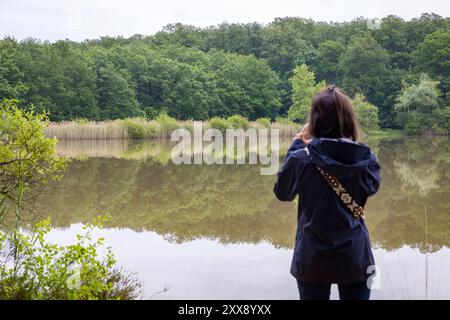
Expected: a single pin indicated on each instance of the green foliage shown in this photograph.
(238, 122)
(32, 268)
(364, 67)
(366, 113)
(11, 85)
(240, 68)
(27, 156)
(265, 122)
(433, 54)
(433, 57)
(441, 120)
(187, 95)
(139, 128)
(60, 79)
(151, 112)
(116, 97)
(245, 86)
(167, 123)
(304, 87)
(418, 109)
(285, 46)
(392, 34)
(328, 53)
(218, 123)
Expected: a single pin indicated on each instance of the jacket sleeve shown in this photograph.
(286, 187)
(371, 177)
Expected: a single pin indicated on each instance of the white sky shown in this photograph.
(87, 19)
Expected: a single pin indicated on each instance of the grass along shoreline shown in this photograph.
(161, 127)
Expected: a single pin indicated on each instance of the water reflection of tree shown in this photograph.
(235, 203)
(411, 207)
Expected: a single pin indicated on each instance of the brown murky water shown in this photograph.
(217, 232)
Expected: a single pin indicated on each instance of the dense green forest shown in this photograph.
(401, 67)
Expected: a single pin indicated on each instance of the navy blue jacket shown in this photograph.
(331, 246)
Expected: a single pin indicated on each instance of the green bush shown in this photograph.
(238, 122)
(27, 156)
(304, 88)
(150, 112)
(32, 268)
(135, 128)
(139, 128)
(151, 129)
(442, 120)
(419, 108)
(167, 123)
(264, 121)
(366, 113)
(436, 123)
(219, 123)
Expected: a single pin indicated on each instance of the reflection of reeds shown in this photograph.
(118, 149)
(94, 148)
(139, 128)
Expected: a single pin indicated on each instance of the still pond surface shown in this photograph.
(217, 231)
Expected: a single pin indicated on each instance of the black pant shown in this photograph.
(315, 291)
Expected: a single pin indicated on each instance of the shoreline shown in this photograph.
(142, 129)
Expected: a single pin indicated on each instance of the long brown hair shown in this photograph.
(332, 115)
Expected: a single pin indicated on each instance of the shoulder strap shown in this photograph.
(356, 210)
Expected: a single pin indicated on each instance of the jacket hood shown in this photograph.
(340, 157)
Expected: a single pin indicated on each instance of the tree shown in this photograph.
(180, 34)
(391, 34)
(27, 156)
(116, 99)
(327, 60)
(392, 37)
(77, 97)
(367, 113)
(245, 86)
(433, 57)
(364, 67)
(185, 96)
(31, 267)
(418, 110)
(60, 79)
(304, 87)
(11, 85)
(236, 68)
(238, 38)
(418, 28)
(284, 47)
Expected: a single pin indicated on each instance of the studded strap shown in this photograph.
(355, 209)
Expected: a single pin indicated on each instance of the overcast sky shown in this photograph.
(87, 19)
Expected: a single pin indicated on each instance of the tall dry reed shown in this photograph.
(93, 130)
(162, 127)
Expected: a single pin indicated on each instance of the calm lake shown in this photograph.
(217, 231)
